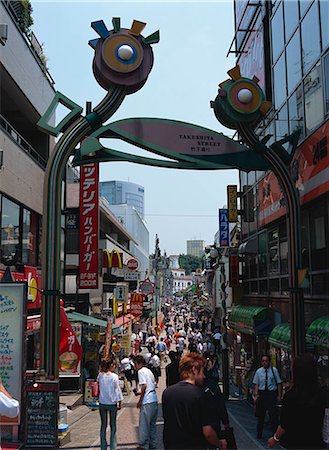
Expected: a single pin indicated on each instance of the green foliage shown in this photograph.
(190, 263)
(25, 19)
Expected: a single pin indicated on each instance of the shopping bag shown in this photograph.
(228, 434)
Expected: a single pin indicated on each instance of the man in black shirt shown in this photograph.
(172, 374)
(187, 424)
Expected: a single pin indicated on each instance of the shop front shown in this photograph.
(251, 326)
(280, 350)
(317, 341)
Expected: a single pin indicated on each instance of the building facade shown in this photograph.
(195, 248)
(123, 193)
(285, 44)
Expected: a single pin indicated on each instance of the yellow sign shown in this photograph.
(232, 205)
(114, 258)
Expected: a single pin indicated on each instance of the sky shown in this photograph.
(190, 61)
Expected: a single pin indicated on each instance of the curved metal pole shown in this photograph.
(51, 236)
(281, 171)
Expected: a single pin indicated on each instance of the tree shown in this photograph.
(190, 263)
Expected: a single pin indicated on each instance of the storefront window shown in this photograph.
(262, 252)
(296, 113)
(273, 251)
(280, 83)
(282, 123)
(310, 38)
(324, 14)
(277, 32)
(326, 79)
(291, 17)
(30, 234)
(9, 228)
(294, 68)
(313, 99)
(284, 257)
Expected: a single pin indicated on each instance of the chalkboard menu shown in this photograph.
(41, 416)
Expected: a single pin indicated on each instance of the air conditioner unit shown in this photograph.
(3, 33)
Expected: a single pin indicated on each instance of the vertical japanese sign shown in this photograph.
(88, 263)
(136, 304)
(232, 202)
(12, 327)
(234, 270)
(224, 231)
(108, 338)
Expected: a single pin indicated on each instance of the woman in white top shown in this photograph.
(110, 401)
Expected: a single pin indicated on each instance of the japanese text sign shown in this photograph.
(232, 196)
(224, 230)
(88, 263)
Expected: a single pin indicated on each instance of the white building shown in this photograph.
(181, 281)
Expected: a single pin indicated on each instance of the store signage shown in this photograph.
(132, 264)
(124, 341)
(70, 350)
(224, 231)
(88, 258)
(146, 287)
(75, 370)
(232, 202)
(12, 329)
(34, 285)
(121, 293)
(72, 222)
(112, 259)
(136, 303)
(234, 270)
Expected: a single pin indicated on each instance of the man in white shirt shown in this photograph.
(148, 406)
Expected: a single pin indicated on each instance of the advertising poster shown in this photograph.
(12, 328)
(224, 230)
(309, 170)
(76, 370)
(88, 255)
(136, 303)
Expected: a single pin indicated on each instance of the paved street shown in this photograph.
(85, 424)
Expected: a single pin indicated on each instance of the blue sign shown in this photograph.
(224, 230)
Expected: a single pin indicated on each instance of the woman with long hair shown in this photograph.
(110, 400)
(303, 409)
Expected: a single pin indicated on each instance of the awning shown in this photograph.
(251, 320)
(318, 332)
(280, 336)
(77, 317)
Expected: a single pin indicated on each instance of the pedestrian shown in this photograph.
(110, 401)
(303, 408)
(168, 342)
(154, 365)
(161, 349)
(147, 404)
(187, 424)
(127, 366)
(172, 372)
(267, 392)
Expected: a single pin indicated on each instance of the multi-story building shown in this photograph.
(285, 44)
(195, 248)
(123, 193)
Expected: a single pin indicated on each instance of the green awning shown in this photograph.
(318, 332)
(77, 317)
(280, 336)
(251, 319)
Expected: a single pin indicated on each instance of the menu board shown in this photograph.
(41, 416)
(12, 327)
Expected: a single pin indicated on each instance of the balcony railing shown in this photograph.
(22, 143)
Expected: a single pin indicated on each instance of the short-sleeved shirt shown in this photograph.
(109, 388)
(184, 413)
(9, 407)
(145, 376)
(272, 375)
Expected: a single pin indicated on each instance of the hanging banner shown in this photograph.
(224, 231)
(232, 202)
(12, 329)
(70, 350)
(108, 338)
(136, 303)
(75, 371)
(33, 282)
(234, 270)
(88, 260)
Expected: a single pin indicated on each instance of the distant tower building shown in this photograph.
(123, 193)
(195, 248)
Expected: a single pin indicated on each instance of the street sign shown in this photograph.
(132, 264)
(146, 287)
(121, 293)
(130, 275)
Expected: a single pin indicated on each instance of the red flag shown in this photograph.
(70, 350)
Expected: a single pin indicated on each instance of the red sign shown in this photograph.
(70, 350)
(34, 285)
(132, 264)
(309, 169)
(136, 303)
(88, 261)
(234, 270)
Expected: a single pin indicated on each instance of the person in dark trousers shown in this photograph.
(303, 408)
(267, 392)
(172, 373)
(187, 424)
(216, 403)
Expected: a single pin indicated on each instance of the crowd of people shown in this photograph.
(194, 410)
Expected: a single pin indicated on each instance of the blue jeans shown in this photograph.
(147, 425)
(103, 410)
